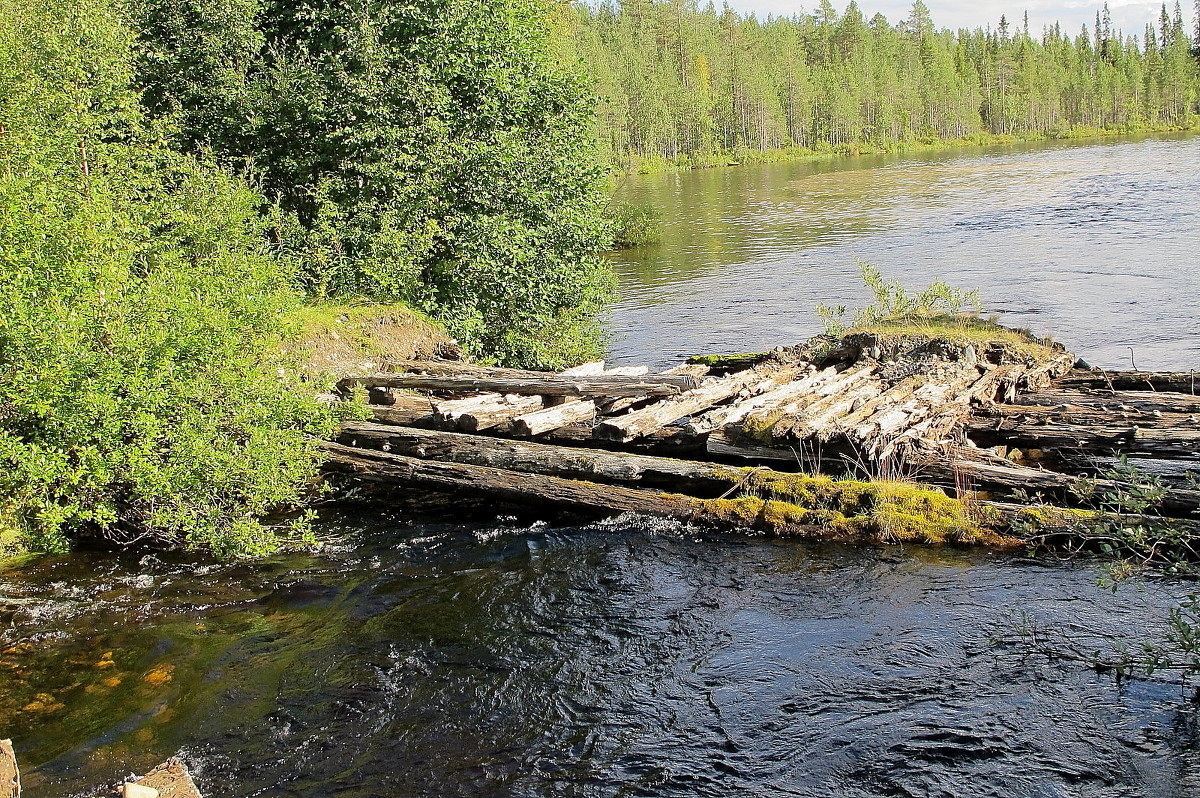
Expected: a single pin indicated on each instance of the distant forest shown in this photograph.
(677, 81)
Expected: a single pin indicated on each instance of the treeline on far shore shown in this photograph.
(690, 84)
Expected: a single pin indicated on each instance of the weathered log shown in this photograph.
(725, 364)
(684, 476)
(477, 413)
(1104, 439)
(932, 405)
(1089, 416)
(999, 383)
(790, 400)
(526, 487)
(979, 470)
(543, 385)
(722, 443)
(552, 418)
(1127, 401)
(817, 418)
(453, 368)
(894, 395)
(1186, 382)
(660, 414)
(1056, 522)
(1042, 375)
(10, 774)
(584, 369)
(419, 413)
(788, 504)
(775, 386)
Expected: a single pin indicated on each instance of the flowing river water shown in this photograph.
(496, 656)
(1096, 245)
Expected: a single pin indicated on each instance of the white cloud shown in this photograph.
(1129, 15)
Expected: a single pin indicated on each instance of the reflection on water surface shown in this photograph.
(1095, 245)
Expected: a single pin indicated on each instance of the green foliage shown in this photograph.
(139, 306)
(429, 152)
(1134, 491)
(634, 225)
(893, 302)
(1117, 526)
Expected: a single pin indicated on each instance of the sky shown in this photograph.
(1129, 15)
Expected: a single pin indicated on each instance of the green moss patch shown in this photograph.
(880, 511)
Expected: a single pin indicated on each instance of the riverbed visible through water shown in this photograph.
(487, 655)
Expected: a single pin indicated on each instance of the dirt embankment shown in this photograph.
(338, 340)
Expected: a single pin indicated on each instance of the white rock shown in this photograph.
(135, 790)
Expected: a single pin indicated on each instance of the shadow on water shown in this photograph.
(1093, 244)
(627, 657)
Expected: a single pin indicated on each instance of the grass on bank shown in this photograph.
(939, 311)
(655, 164)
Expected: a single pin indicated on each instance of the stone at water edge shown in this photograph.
(10, 776)
(171, 779)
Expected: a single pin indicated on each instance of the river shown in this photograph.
(506, 656)
(1096, 245)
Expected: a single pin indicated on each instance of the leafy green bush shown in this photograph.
(138, 310)
(634, 225)
(893, 302)
(430, 152)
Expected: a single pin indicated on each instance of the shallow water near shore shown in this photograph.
(1094, 244)
(623, 657)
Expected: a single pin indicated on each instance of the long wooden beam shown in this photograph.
(1186, 382)
(548, 385)
(1127, 438)
(690, 476)
(528, 487)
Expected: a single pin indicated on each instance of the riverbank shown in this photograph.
(744, 156)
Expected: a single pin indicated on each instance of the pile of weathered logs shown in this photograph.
(976, 419)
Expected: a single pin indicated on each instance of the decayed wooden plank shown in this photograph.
(804, 392)
(477, 413)
(1105, 439)
(457, 368)
(660, 414)
(1185, 382)
(1126, 401)
(755, 392)
(552, 418)
(10, 774)
(545, 385)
